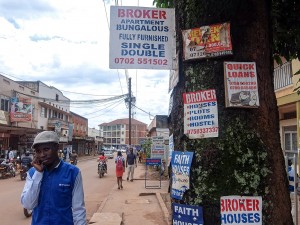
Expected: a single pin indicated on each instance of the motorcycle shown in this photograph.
(7, 169)
(23, 172)
(27, 212)
(101, 169)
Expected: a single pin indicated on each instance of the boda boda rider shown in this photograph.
(103, 158)
(53, 188)
(26, 160)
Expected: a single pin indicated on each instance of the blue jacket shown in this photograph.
(55, 197)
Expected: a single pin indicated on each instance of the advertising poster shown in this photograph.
(241, 89)
(207, 41)
(141, 38)
(181, 165)
(20, 109)
(187, 214)
(201, 114)
(158, 147)
(241, 210)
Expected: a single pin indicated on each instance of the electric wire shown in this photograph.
(105, 111)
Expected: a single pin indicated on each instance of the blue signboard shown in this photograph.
(181, 164)
(187, 214)
(152, 162)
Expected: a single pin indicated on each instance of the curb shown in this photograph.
(163, 208)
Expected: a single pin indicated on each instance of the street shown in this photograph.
(95, 190)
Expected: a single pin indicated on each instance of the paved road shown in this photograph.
(95, 189)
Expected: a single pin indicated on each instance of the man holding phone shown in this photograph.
(53, 188)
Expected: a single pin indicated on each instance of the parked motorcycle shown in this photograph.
(101, 169)
(7, 169)
(27, 212)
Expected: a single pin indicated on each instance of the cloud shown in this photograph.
(25, 9)
(65, 44)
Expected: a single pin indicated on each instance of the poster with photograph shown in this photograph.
(241, 88)
(20, 109)
(207, 41)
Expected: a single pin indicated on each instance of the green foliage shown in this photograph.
(233, 165)
(147, 147)
(163, 3)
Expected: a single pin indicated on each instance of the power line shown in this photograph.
(105, 112)
(148, 113)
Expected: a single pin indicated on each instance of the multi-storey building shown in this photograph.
(29, 107)
(80, 142)
(116, 133)
(288, 102)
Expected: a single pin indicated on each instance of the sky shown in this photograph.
(65, 44)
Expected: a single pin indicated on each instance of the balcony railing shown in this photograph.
(283, 76)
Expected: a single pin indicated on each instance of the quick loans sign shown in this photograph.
(141, 38)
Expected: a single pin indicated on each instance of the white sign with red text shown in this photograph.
(141, 38)
(201, 114)
(241, 210)
(241, 87)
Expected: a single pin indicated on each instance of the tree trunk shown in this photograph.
(246, 158)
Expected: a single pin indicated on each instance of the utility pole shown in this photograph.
(129, 104)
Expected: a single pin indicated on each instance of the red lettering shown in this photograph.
(242, 205)
(235, 205)
(249, 204)
(228, 208)
(137, 13)
(256, 205)
(222, 204)
(121, 13)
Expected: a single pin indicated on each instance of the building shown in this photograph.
(159, 127)
(80, 141)
(288, 102)
(28, 108)
(95, 134)
(116, 133)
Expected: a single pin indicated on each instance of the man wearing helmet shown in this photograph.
(53, 188)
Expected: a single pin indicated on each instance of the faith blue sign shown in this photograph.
(181, 164)
(187, 214)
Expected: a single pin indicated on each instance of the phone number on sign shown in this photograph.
(141, 61)
(203, 130)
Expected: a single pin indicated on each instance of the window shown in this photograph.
(56, 97)
(4, 103)
(290, 138)
(45, 112)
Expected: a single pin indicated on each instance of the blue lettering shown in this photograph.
(256, 217)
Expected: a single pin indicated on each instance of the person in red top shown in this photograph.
(120, 168)
(103, 158)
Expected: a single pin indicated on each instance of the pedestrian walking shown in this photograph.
(131, 164)
(120, 169)
(53, 188)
